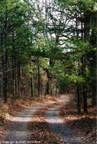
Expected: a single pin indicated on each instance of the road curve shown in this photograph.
(18, 131)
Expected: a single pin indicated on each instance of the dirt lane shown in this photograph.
(58, 126)
(18, 131)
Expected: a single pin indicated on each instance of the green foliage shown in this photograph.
(63, 39)
(76, 79)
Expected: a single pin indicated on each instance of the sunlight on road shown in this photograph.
(22, 133)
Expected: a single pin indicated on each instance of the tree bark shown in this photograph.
(31, 82)
(47, 87)
(13, 77)
(78, 100)
(5, 80)
(84, 84)
(38, 78)
(13, 67)
(31, 87)
(85, 99)
(5, 62)
(18, 71)
(47, 83)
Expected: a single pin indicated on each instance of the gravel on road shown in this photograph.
(18, 131)
(58, 127)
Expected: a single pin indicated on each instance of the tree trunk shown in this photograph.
(2, 55)
(84, 84)
(31, 87)
(31, 82)
(5, 62)
(38, 78)
(13, 67)
(93, 96)
(78, 100)
(16, 85)
(13, 77)
(50, 79)
(85, 99)
(5, 78)
(56, 86)
(18, 71)
(0, 75)
(47, 87)
(47, 83)
(85, 37)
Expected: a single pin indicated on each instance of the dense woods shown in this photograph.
(48, 47)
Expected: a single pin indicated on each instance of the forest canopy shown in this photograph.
(48, 47)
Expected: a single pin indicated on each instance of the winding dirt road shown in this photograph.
(19, 132)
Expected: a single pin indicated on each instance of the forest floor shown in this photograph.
(82, 125)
